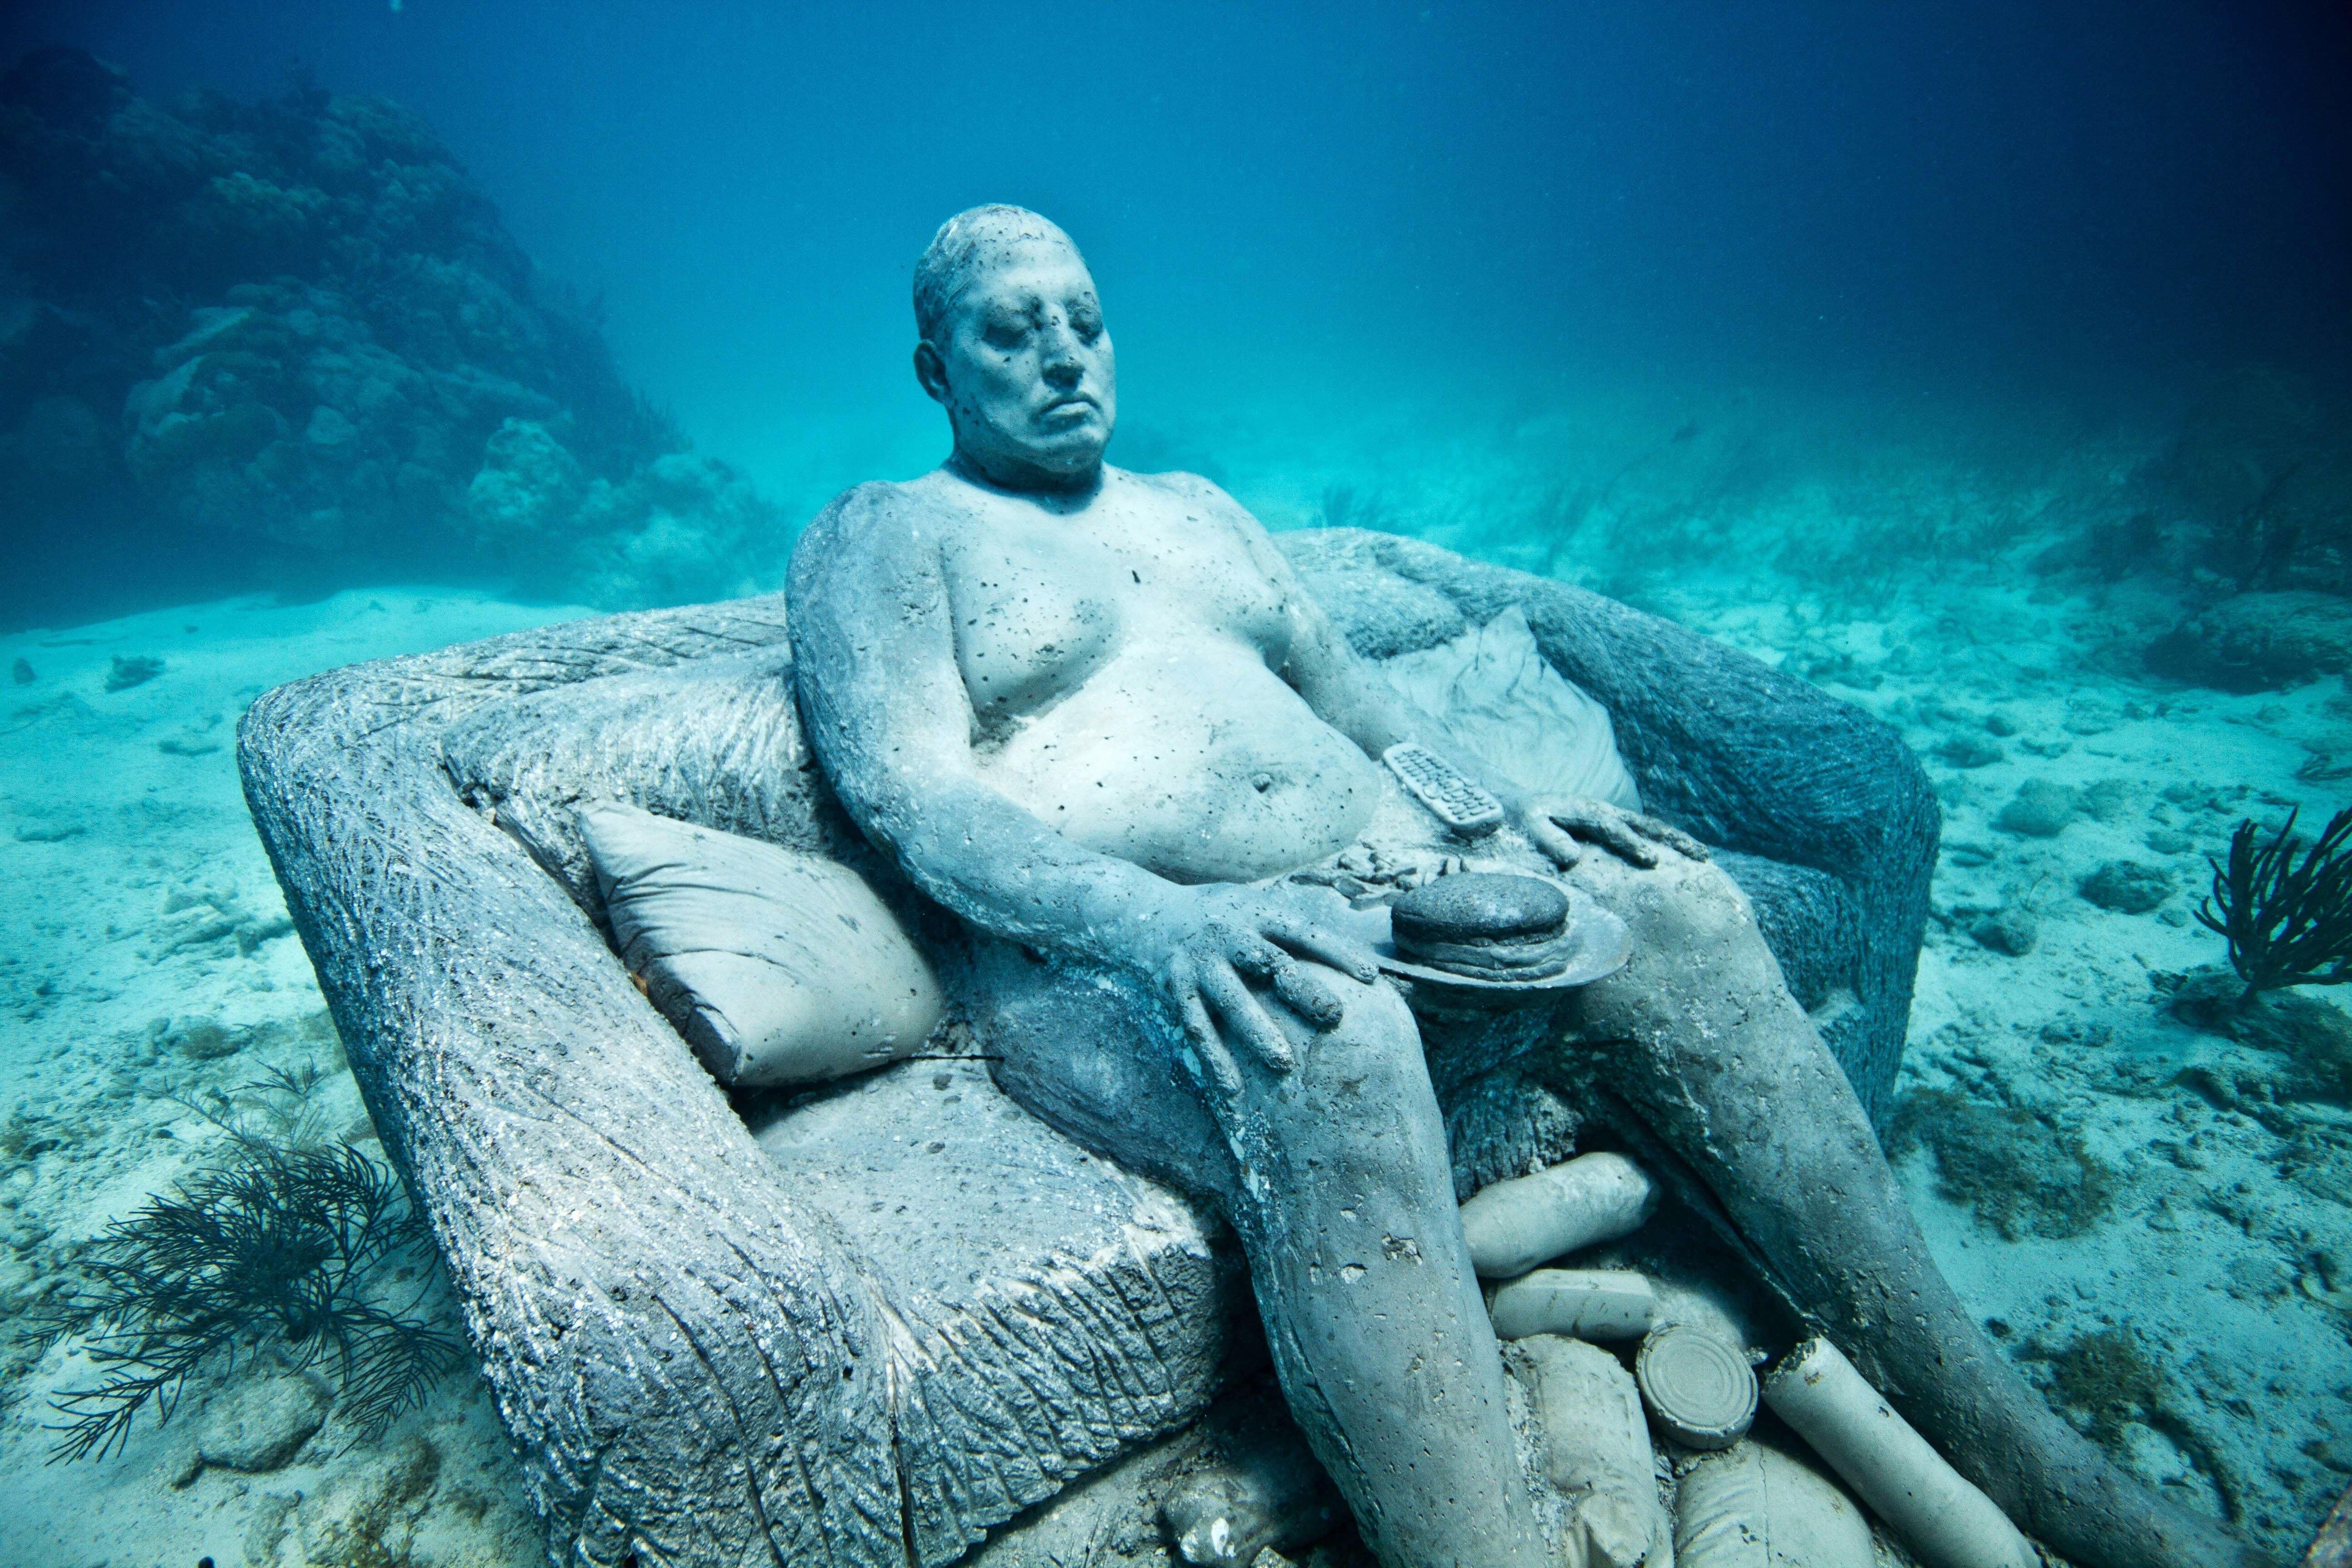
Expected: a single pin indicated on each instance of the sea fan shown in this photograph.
(280, 1241)
(2285, 909)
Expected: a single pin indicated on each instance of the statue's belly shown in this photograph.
(1192, 761)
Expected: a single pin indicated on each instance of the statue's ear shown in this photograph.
(931, 371)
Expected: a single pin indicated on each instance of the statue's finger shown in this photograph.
(1556, 842)
(1308, 998)
(1256, 957)
(1627, 845)
(1667, 834)
(1209, 1047)
(1308, 939)
(1241, 1013)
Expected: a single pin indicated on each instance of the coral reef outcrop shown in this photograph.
(295, 332)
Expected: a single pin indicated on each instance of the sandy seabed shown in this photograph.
(2150, 1224)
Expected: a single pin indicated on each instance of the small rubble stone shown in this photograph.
(137, 670)
(257, 1425)
(204, 1040)
(2077, 1032)
(1967, 751)
(2106, 800)
(2087, 715)
(2127, 887)
(2012, 931)
(2040, 809)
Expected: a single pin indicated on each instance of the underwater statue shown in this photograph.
(1096, 715)
(1166, 854)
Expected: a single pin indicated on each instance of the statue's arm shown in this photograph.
(888, 715)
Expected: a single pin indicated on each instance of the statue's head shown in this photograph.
(1014, 347)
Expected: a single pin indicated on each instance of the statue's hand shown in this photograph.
(1557, 823)
(1220, 939)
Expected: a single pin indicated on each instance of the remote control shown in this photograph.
(1451, 797)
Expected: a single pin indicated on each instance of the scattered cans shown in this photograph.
(1515, 1225)
(1700, 1389)
(1585, 1303)
(1946, 1521)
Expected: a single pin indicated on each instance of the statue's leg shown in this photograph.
(1698, 1039)
(1335, 1177)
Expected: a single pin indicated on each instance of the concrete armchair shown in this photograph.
(867, 1324)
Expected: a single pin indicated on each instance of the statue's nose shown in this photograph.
(1058, 347)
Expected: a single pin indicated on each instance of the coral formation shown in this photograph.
(2104, 1380)
(2259, 642)
(2252, 493)
(290, 1241)
(2287, 917)
(294, 331)
(2314, 1036)
(2261, 475)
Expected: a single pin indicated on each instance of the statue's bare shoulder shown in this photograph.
(1208, 500)
(1186, 487)
(869, 531)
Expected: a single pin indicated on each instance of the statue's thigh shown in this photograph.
(1698, 953)
(1079, 1055)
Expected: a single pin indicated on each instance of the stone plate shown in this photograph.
(1599, 944)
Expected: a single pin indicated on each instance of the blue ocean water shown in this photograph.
(1304, 217)
(1985, 364)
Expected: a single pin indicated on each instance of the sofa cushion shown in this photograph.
(1510, 711)
(778, 967)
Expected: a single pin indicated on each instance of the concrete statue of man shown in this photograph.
(1096, 716)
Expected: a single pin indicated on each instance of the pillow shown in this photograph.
(1503, 704)
(778, 967)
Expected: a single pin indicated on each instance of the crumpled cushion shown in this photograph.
(1502, 703)
(777, 968)
(1755, 1507)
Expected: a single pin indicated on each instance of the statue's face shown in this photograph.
(1026, 372)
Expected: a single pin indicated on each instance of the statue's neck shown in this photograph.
(1016, 477)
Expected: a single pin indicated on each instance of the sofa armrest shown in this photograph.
(709, 1348)
(648, 1333)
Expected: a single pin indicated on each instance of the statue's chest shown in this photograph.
(1039, 608)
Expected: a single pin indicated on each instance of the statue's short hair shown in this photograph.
(966, 243)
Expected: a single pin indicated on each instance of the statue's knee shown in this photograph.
(1376, 1040)
(1690, 905)
(1377, 1013)
(1356, 1114)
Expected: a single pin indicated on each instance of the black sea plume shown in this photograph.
(302, 1243)
(2285, 907)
